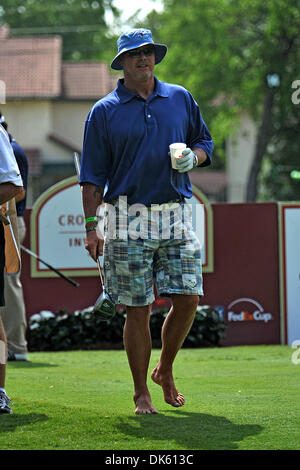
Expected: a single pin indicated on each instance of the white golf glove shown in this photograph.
(187, 162)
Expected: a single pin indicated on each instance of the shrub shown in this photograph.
(85, 330)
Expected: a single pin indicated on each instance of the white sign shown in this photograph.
(58, 232)
(290, 271)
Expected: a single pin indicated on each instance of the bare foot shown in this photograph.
(166, 381)
(143, 404)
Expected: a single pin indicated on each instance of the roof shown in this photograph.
(86, 80)
(32, 67)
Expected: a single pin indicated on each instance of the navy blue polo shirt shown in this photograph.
(126, 143)
(23, 167)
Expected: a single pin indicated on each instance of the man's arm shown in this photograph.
(8, 191)
(23, 167)
(11, 183)
(20, 196)
(200, 154)
(91, 199)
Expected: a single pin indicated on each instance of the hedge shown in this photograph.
(84, 330)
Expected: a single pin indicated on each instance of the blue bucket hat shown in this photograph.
(137, 38)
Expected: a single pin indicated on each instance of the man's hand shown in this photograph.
(94, 244)
(92, 199)
(187, 161)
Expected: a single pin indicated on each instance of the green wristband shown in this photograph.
(91, 219)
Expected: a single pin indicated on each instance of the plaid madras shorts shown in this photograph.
(160, 247)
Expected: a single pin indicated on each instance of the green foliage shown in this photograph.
(84, 330)
(282, 155)
(78, 330)
(223, 51)
(80, 23)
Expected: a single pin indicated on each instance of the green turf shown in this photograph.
(236, 398)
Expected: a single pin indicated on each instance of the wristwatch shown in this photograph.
(90, 229)
(196, 161)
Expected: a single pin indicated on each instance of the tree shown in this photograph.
(280, 51)
(224, 51)
(81, 23)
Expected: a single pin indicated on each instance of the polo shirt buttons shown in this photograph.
(147, 111)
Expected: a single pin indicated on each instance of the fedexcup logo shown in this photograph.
(245, 309)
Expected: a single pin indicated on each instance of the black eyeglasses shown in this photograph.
(148, 51)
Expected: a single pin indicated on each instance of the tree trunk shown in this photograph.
(262, 140)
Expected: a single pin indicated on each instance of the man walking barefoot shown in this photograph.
(126, 155)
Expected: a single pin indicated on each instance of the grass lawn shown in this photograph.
(237, 398)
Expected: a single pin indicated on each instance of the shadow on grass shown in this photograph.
(9, 423)
(192, 431)
(29, 365)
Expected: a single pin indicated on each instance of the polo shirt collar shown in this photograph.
(123, 93)
(126, 95)
(160, 89)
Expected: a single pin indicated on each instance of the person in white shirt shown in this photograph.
(11, 185)
(13, 314)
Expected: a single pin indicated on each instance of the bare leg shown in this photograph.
(3, 354)
(137, 342)
(175, 329)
